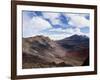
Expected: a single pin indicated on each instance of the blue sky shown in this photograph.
(56, 25)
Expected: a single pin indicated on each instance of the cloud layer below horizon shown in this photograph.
(56, 25)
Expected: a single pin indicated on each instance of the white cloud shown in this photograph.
(53, 17)
(67, 30)
(49, 15)
(59, 37)
(78, 32)
(34, 25)
(39, 24)
(77, 20)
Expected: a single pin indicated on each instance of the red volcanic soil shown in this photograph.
(81, 53)
(78, 56)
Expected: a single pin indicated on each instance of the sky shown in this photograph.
(55, 25)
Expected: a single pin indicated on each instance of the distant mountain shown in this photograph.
(74, 42)
(40, 51)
